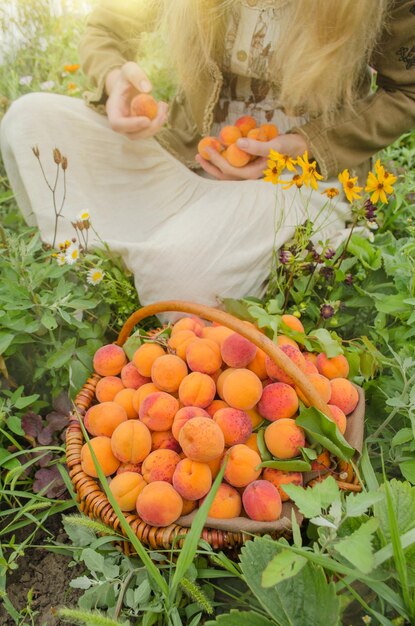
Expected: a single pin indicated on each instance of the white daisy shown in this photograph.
(25, 80)
(47, 85)
(72, 254)
(83, 216)
(60, 259)
(94, 276)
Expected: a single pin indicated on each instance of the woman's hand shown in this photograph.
(122, 85)
(292, 144)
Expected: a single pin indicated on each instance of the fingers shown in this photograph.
(256, 148)
(222, 170)
(136, 76)
(212, 169)
(154, 126)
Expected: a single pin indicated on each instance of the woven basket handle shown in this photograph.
(246, 330)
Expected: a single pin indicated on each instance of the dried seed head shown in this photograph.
(64, 163)
(326, 311)
(57, 157)
(36, 151)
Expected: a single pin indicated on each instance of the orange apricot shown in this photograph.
(271, 131)
(338, 416)
(107, 388)
(226, 504)
(309, 368)
(193, 323)
(252, 442)
(236, 157)
(103, 419)
(215, 465)
(129, 467)
(278, 478)
(217, 334)
(242, 389)
(168, 371)
(283, 340)
(188, 506)
(145, 356)
(311, 357)
(277, 373)
(192, 479)
(257, 365)
(284, 438)
(344, 395)
(255, 417)
(197, 389)
(215, 406)
(242, 465)
(203, 355)
(237, 351)
(141, 393)
(258, 134)
(336, 367)
(164, 440)
(102, 449)
(125, 488)
(159, 504)
(245, 124)
(131, 442)
(229, 134)
(160, 465)
(157, 410)
(278, 401)
(292, 322)
(221, 380)
(144, 105)
(185, 414)
(179, 342)
(235, 425)
(132, 378)
(125, 399)
(201, 439)
(261, 501)
(209, 142)
(109, 360)
(321, 384)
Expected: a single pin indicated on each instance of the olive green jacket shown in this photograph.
(349, 141)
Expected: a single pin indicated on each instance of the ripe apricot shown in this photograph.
(215, 406)
(102, 449)
(344, 395)
(229, 134)
(236, 157)
(164, 440)
(252, 442)
(125, 399)
(107, 388)
(292, 322)
(336, 367)
(179, 342)
(261, 501)
(284, 438)
(217, 334)
(309, 368)
(283, 340)
(193, 323)
(160, 465)
(237, 351)
(132, 378)
(257, 365)
(321, 384)
(157, 410)
(277, 373)
(245, 124)
(168, 371)
(201, 439)
(258, 134)
(191, 479)
(221, 380)
(242, 389)
(125, 488)
(255, 417)
(278, 401)
(339, 417)
(209, 142)
(278, 478)
(215, 466)
(235, 425)
(141, 393)
(242, 465)
(226, 504)
(185, 414)
(131, 442)
(109, 360)
(159, 504)
(144, 105)
(197, 389)
(145, 356)
(188, 506)
(129, 467)
(271, 131)
(203, 355)
(103, 419)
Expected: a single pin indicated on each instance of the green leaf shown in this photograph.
(82, 582)
(291, 465)
(357, 504)
(313, 500)
(303, 600)
(142, 593)
(265, 454)
(368, 255)
(14, 423)
(322, 429)
(131, 346)
(408, 470)
(48, 320)
(283, 566)
(11, 463)
(93, 560)
(325, 342)
(308, 454)
(25, 401)
(62, 356)
(404, 435)
(236, 618)
(239, 308)
(5, 341)
(357, 548)
(403, 503)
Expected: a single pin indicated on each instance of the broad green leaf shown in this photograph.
(237, 618)
(357, 504)
(290, 465)
(322, 429)
(62, 356)
(408, 470)
(11, 463)
(265, 454)
(308, 454)
(403, 499)
(239, 308)
(283, 566)
(131, 346)
(93, 560)
(303, 600)
(142, 593)
(79, 535)
(5, 341)
(357, 548)
(14, 424)
(313, 500)
(82, 582)
(404, 435)
(368, 255)
(25, 401)
(325, 342)
(49, 321)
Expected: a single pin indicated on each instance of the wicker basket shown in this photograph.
(92, 499)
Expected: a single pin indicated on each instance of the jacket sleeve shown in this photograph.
(378, 119)
(111, 38)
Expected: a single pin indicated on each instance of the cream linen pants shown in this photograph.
(182, 235)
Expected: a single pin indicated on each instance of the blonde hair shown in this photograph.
(318, 62)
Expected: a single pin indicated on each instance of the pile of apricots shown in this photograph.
(164, 422)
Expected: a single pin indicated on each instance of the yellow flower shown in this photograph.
(83, 216)
(350, 186)
(272, 174)
(296, 180)
(284, 161)
(71, 86)
(331, 192)
(310, 174)
(379, 185)
(71, 68)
